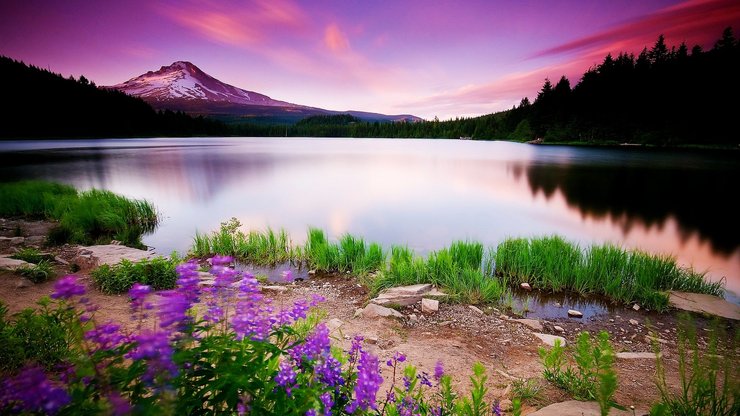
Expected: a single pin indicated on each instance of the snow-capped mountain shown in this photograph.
(182, 86)
(183, 80)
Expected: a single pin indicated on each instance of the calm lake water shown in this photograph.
(423, 193)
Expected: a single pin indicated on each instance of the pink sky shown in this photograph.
(424, 57)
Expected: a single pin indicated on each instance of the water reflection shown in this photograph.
(423, 193)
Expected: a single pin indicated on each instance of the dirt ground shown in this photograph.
(457, 335)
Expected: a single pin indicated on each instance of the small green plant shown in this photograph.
(710, 381)
(37, 273)
(593, 377)
(159, 273)
(475, 405)
(527, 389)
(30, 255)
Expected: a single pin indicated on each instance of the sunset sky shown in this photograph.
(424, 57)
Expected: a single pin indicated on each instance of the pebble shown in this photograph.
(634, 322)
(574, 313)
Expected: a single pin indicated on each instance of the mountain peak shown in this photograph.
(182, 80)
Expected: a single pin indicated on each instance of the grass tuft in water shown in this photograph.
(552, 263)
(90, 217)
(260, 248)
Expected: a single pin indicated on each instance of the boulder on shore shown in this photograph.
(697, 302)
(373, 311)
(406, 295)
(94, 256)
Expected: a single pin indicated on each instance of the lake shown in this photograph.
(423, 193)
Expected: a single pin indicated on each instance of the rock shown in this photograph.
(636, 355)
(6, 263)
(574, 313)
(334, 324)
(636, 307)
(531, 323)
(61, 261)
(23, 283)
(475, 309)
(35, 240)
(402, 295)
(558, 305)
(525, 286)
(276, 289)
(413, 318)
(634, 322)
(373, 311)
(650, 339)
(313, 271)
(549, 339)
(696, 302)
(7, 242)
(559, 328)
(574, 407)
(371, 339)
(429, 305)
(207, 282)
(94, 256)
(445, 323)
(358, 313)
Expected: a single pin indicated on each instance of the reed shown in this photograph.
(90, 217)
(256, 247)
(350, 255)
(552, 263)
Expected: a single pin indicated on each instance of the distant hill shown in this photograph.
(39, 103)
(184, 87)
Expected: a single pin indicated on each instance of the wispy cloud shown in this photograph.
(335, 39)
(698, 20)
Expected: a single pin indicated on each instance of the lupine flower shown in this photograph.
(356, 347)
(391, 396)
(496, 408)
(300, 308)
(30, 391)
(285, 377)
(221, 260)
(311, 412)
(368, 383)
(67, 287)
(105, 337)
(439, 371)
(119, 405)
(329, 370)
(406, 383)
(328, 402)
(424, 378)
(155, 349)
(173, 307)
(316, 299)
(187, 282)
(316, 343)
(407, 407)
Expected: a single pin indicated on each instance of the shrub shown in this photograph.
(159, 273)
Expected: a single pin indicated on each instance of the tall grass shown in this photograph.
(94, 216)
(552, 263)
(261, 248)
(351, 254)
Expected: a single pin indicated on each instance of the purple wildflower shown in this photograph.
(32, 391)
(173, 307)
(424, 378)
(187, 282)
(496, 408)
(328, 402)
(300, 308)
(105, 337)
(138, 294)
(285, 377)
(356, 348)
(119, 405)
(67, 287)
(221, 260)
(311, 412)
(406, 383)
(155, 349)
(316, 299)
(391, 396)
(407, 407)
(329, 370)
(368, 383)
(439, 371)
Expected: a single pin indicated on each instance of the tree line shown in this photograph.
(40, 103)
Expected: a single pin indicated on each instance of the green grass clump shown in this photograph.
(29, 254)
(89, 217)
(552, 263)
(37, 273)
(158, 272)
(351, 254)
(261, 248)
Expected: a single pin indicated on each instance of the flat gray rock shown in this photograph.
(636, 355)
(531, 323)
(406, 295)
(94, 256)
(429, 305)
(576, 408)
(373, 311)
(697, 302)
(334, 324)
(6, 263)
(549, 339)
